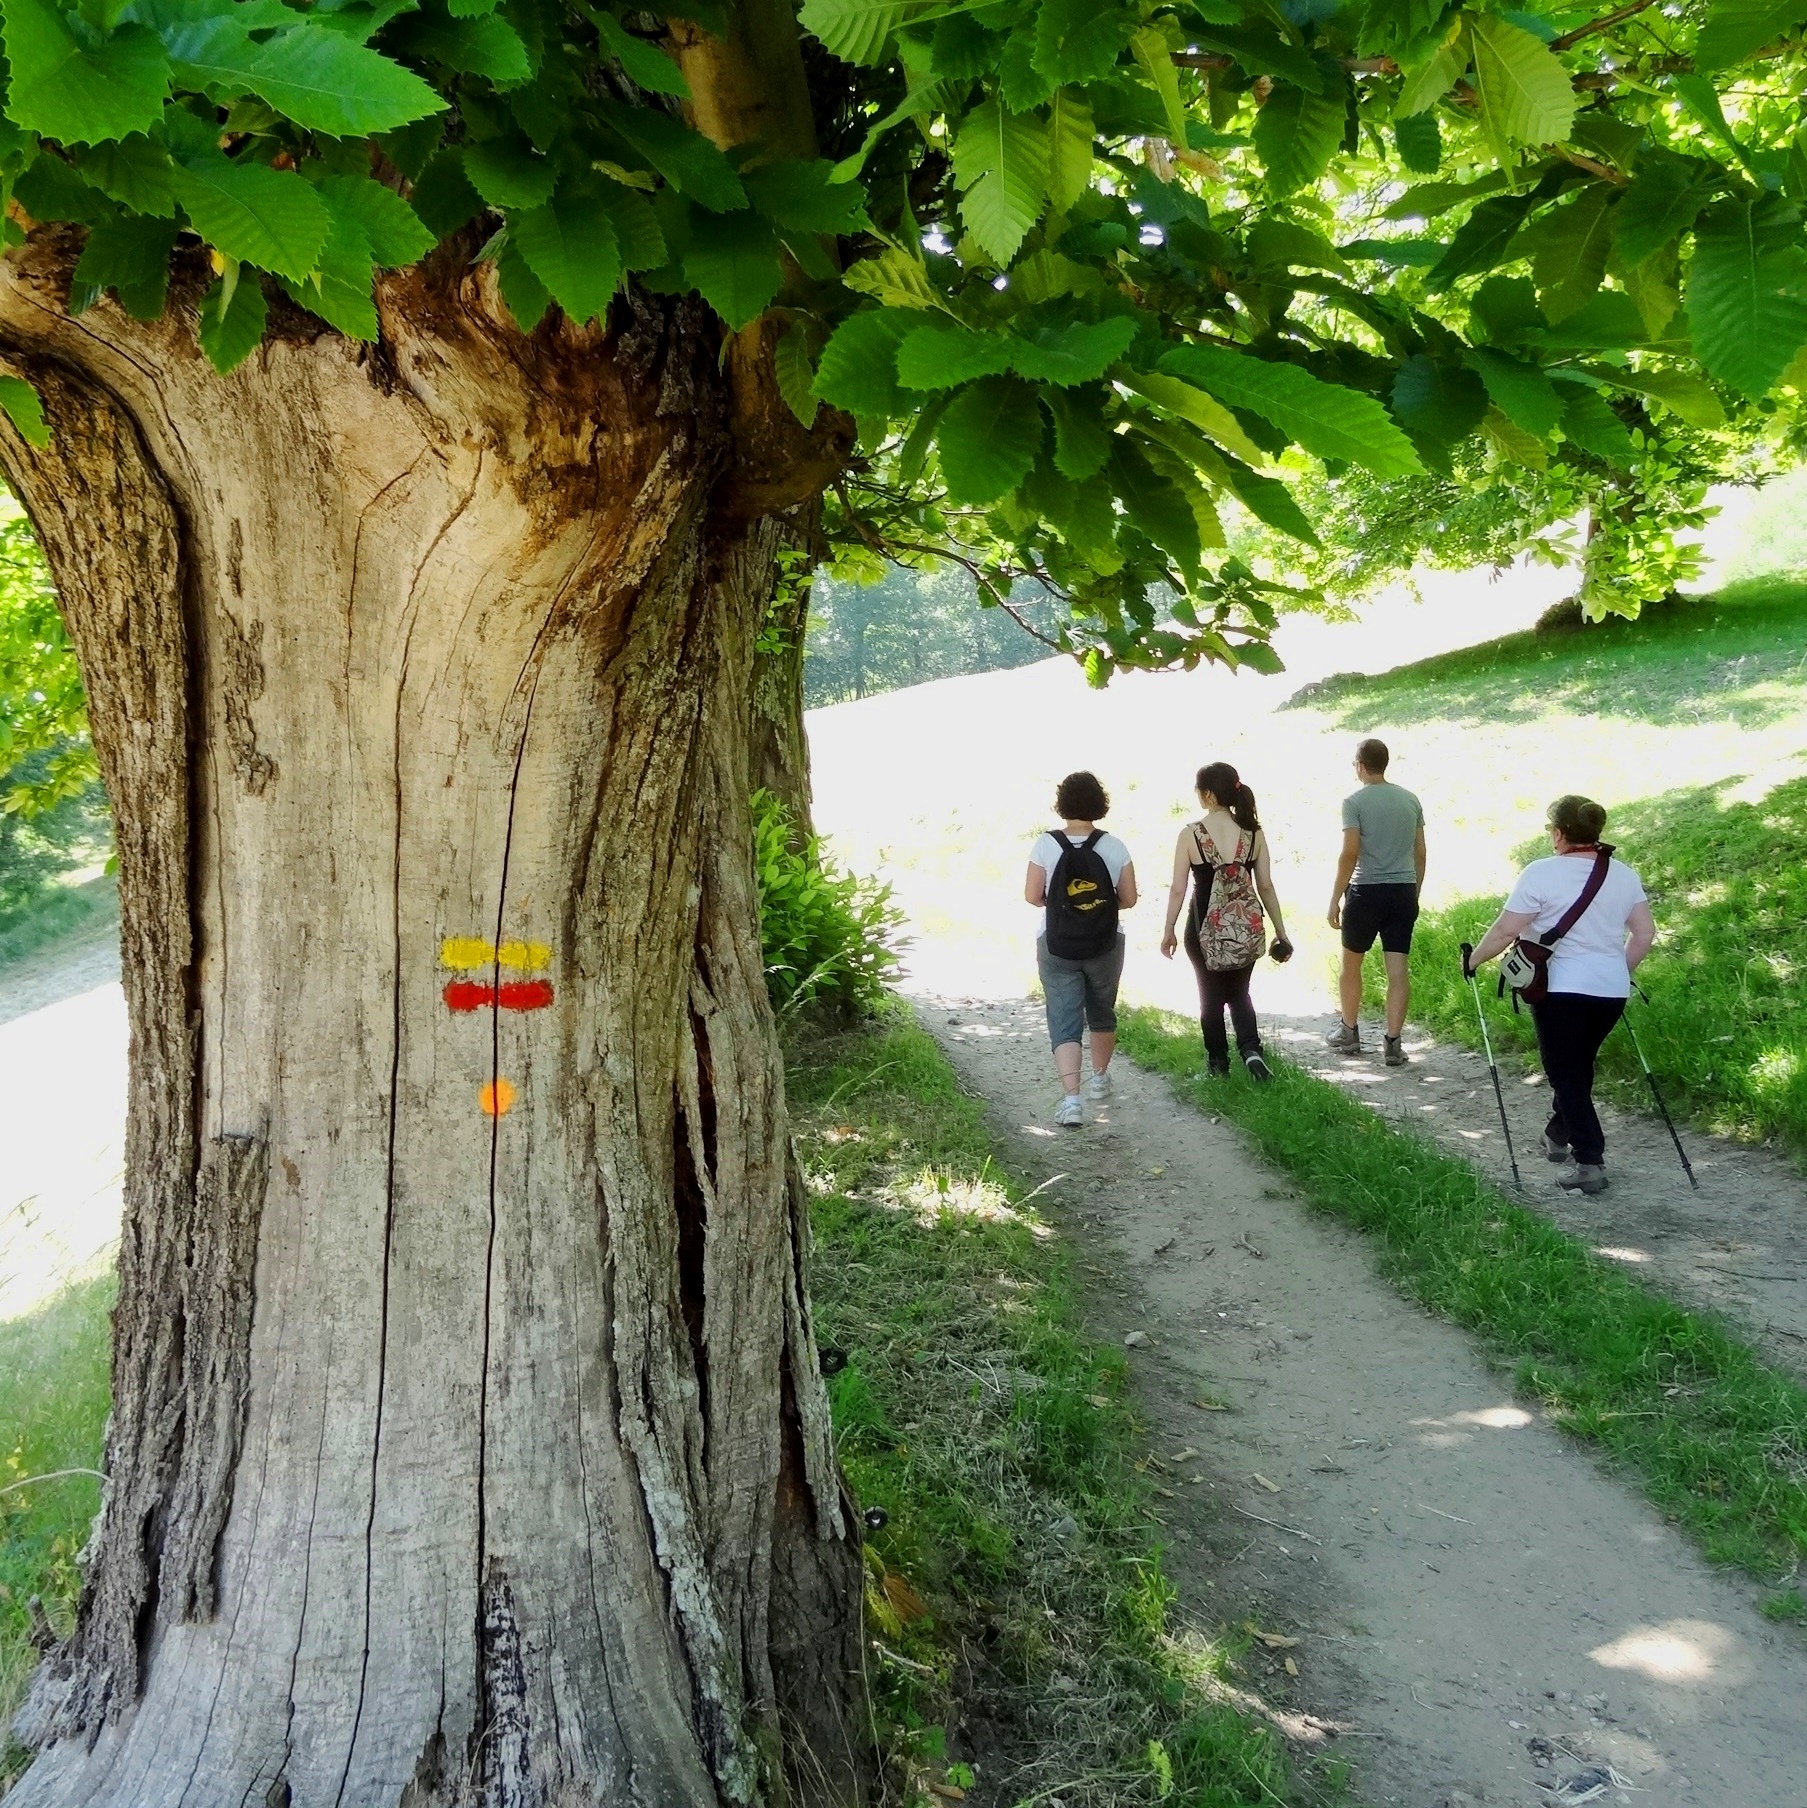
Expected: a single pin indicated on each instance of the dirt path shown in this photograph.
(1467, 1588)
(1738, 1246)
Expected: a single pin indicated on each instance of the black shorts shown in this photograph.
(1387, 911)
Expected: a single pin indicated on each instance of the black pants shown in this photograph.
(1570, 1029)
(1216, 992)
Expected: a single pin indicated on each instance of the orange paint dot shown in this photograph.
(495, 1097)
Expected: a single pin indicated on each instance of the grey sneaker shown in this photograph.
(1584, 1177)
(1396, 1055)
(1345, 1039)
(1069, 1114)
(1098, 1086)
(1553, 1150)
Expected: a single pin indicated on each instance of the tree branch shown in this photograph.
(1605, 23)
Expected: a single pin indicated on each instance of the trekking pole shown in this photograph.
(1687, 1166)
(1499, 1094)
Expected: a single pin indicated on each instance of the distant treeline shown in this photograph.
(909, 627)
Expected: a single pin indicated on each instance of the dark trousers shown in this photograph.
(1570, 1029)
(1217, 992)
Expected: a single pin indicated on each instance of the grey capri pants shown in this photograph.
(1079, 992)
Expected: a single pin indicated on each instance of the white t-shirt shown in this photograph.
(1047, 852)
(1591, 957)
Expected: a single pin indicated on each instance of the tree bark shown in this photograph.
(468, 1442)
(780, 745)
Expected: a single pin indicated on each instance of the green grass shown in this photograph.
(53, 1409)
(1718, 1440)
(55, 912)
(976, 1414)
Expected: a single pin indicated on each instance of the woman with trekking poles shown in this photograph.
(1079, 878)
(1573, 932)
(1225, 855)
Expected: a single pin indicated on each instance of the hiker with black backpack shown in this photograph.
(1225, 856)
(1573, 932)
(1079, 877)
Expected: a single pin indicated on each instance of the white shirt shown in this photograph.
(1047, 852)
(1591, 957)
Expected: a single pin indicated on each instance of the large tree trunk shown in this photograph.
(780, 748)
(468, 1442)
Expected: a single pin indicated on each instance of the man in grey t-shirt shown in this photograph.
(1378, 879)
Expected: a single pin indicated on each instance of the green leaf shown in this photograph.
(339, 288)
(232, 324)
(1149, 46)
(395, 233)
(1156, 506)
(1444, 402)
(75, 89)
(988, 439)
(1512, 443)
(1001, 162)
(1735, 28)
(1524, 91)
(488, 46)
(1685, 395)
(1611, 320)
(51, 190)
(685, 158)
(443, 197)
(509, 172)
(1082, 513)
(1082, 438)
(322, 80)
(806, 198)
(1021, 85)
(1592, 425)
(1270, 500)
(136, 172)
(647, 66)
(1427, 82)
(1080, 40)
(131, 257)
(1420, 142)
(1481, 241)
(795, 373)
(1655, 289)
(1070, 132)
(1192, 404)
(1296, 135)
(271, 218)
(528, 298)
(895, 278)
(1325, 418)
(1282, 244)
(637, 229)
(733, 263)
(1429, 200)
(1747, 291)
(857, 371)
(25, 410)
(570, 245)
(1568, 251)
(1520, 390)
(856, 30)
(1504, 309)
(943, 355)
(1661, 202)
(1075, 353)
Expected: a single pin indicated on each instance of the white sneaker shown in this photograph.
(1070, 1113)
(1098, 1085)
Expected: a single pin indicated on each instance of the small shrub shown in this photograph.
(830, 939)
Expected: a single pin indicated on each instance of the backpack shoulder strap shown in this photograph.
(1093, 839)
(1060, 835)
(1589, 892)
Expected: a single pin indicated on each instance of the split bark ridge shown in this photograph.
(468, 1443)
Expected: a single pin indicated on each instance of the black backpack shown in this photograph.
(1082, 901)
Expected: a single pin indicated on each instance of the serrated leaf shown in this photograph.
(1427, 82)
(1512, 444)
(1519, 390)
(1747, 291)
(1610, 321)
(1685, 395)
(1325, 418)
(806, 197)
(1429, 200)
(1075, 353)
(130, 256)
(796, 374)
(1082, 438)
(136, 172)
(1482, 240)
(1192, 404)
(856, 30)
(1420, 141)
(638, 233)
(1281, 244)
(396, 234)
(444, 197)
(684, 157)
(232, 323)
(944, 355)
(1270, 500)
(1183, 474)
(271, 218)
(1592, 425)
(25, 410)
(1001, 162)
(1524, 92)
(733, 264)
(527, 297)
(1569, 249)
(988, 439)
(1156, 506)
(895, 278)
(1734, 28)
(1444, 402)
(1655, 289)
(77, 91)
(322, 80)
(1070, 133)
(1662, 201)
(1296, 135)
(508, 172)
(1080, 40)
(1082, 513)
(486, 46)
(647, 66)
(51, 190)
(857, 371)
(569, 244)
(1021, 84)
(1148, 45)
(339, 288)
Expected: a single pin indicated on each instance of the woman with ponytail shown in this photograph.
(1225, 855)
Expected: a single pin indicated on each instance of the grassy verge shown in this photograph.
(1726, 1026)
(52, 1411)
(55, 912)
(1718, 1440)
(1017, 1582)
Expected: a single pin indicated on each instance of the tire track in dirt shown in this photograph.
(1467, 1587)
